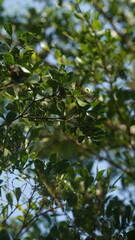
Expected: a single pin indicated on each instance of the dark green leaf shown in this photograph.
(81, 138)
(39, 165)
(71, 198)
(9, 199)
(4, 235)
(131, 235)
(11, 116)
(18, 193)
(23, 157)
(9, 28)
(4, 48)
(53, 157)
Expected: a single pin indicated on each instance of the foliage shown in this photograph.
(67, 105)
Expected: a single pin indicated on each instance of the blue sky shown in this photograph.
(17, 7)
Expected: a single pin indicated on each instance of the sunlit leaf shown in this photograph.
(8, 59)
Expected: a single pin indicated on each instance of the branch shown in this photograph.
(119, 33)
(44, 118)
(101, 53)
(21, 114)
(121, 127)
(108, 158)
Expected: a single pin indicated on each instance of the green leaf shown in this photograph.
(1, 181)
(9, 199)
(78, 1)
(15, 51)
(81, 103)
(98, 109)
(71, 198)
(27, 37)
(81, 138)
(17, 193)
(96, 24)
(8, 59)
(37, 64)
(25, 70)
(8, 41)
(4, 235)
(108, 34)
(12, 106)
(34, 78)
(53, 157)
(39, 166)
(79, 16)
(23, 157)
(10, 91)
(4, 48)
(83, 172)
(61, 167)
(29, 52)
(9, 28)
(11, 116)
(131, 235)
(100, 174)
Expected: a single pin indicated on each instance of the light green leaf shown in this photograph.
(79, 15)
(8, 59)
(81, 103)
(34, 78)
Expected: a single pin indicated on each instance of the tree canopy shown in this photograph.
(67, 121)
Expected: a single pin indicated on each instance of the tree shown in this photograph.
(67, 101)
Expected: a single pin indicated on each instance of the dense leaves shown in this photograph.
(67, 124)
